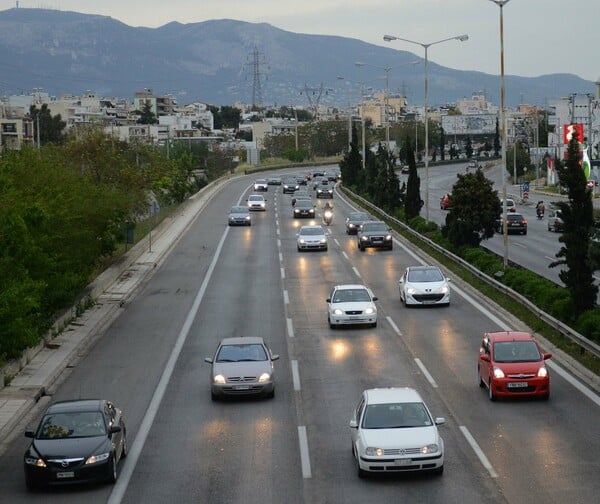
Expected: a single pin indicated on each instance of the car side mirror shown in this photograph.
(485, 357)
(353, 424)
(30, 433)
(275, 357)
(114, 428)
(375, 298)
(208, 359)
(447, 279)
(328, 300)
(547, 356)
(440, 421)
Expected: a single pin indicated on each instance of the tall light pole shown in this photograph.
(501, 4)
(461, 38)
(387, 94)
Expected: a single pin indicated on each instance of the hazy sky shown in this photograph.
(540, 36)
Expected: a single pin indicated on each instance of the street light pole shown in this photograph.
(461, 38)
(501, 4)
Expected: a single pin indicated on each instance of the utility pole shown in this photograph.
(255, 63)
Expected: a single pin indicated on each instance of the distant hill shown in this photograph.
(69, 52)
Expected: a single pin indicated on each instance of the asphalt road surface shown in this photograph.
(295, 448)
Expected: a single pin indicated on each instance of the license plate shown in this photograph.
(354, 318)
(242, 387)
(517, 384)
(68, 474)
(403, 461)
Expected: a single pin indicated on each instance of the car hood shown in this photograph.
(407, 437)
(375, 233)
(244, 368)
(69, 447)
(353, 305)
(519, 367)
(426, 286)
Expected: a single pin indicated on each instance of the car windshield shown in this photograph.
(425, 275)
(304, 203)
(242, 352)
(261, 181)
(358, 217)
(255, 198)
(516, 351)
(72, 425)
(374, 226)
(311, 231)
(239, 209)
(351, 296)
(396, 416)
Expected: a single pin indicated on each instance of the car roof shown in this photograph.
(76, 405)
(320, 228)
(239, 209)
(256, 196)
(426, 267)
(510, 336)
(350, 286)
(392, 395)
(242, 340)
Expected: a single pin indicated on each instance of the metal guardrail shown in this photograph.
(561, 327)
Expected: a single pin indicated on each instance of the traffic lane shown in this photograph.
(141, 338)
(234, 445)
(335, 366)
(446, 340)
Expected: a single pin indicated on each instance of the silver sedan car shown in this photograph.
(242, 366)
(312, 238)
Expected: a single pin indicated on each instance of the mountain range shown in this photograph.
(224, 61)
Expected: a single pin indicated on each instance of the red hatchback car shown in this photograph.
(512, 364)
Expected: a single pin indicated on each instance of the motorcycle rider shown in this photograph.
(328, 213)
(539, 208)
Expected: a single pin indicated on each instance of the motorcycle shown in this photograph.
(327, 217)
(540, 214)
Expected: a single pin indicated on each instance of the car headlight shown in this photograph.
(94, 459)
(444, 289)
(498, 373)
(370, 311)
(432, 448)
(364, 238)
(220, 379)
(262, 205)
(247, 217)
(411, 290)
(323, 240)
(296, 210)
(542, 372)
(374, 452)
(388, 237)
(337, 311)
(302, 240)
(264, 377)
(37, 462)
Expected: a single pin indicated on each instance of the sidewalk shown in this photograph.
(45, 363)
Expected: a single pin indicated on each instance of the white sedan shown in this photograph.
(312, 238)
(257, 202)
(392, 430)
(424, 285)
(351, 304)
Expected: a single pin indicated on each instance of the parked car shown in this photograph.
(75, 442)
(374, 234)
(239, 216)
(242, 366)
(424, 285)
(311, 238)
(354, 221)
(304, 208)
(512, 363)
(555, 222)
(351, 304)
(515, 223)
(392, 430)
(261, 185)
(257, 202)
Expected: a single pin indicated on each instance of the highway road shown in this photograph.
(295, 448)
(534, 251)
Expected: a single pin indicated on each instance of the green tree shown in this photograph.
(146, 114)
(522, 157)
(51, 128)
(351, 164)
(225, 116)
(442, 143)
(412, 200)
(578, 219)
(469, 148)
(474, 212)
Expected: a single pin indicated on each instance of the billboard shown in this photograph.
(473, 124)
(569, 131)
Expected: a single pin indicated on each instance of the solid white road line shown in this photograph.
(135, 451)
(304, 456)
(356, 271)
(573, 381)
(394, 326)
(295, 375)
(478, 451)
(426, 373)
(290, 327)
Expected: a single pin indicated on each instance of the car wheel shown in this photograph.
(439, 471)
(30, 483)
(524, 232)
(491, 394)
(112, 476)
(125, 448)
(374, 324)
(360, 472)
(481, 382)
(391, 247)
(545, 397)
(271, 394)
(214, 396)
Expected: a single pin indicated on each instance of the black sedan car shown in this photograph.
(304, 208)
(374, 234)
(76, 442)
(355, 220)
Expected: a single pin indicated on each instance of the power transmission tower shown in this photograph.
(314, 95)
(255, 63)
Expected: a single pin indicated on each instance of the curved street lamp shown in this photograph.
(461, 38)
(387, 94)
